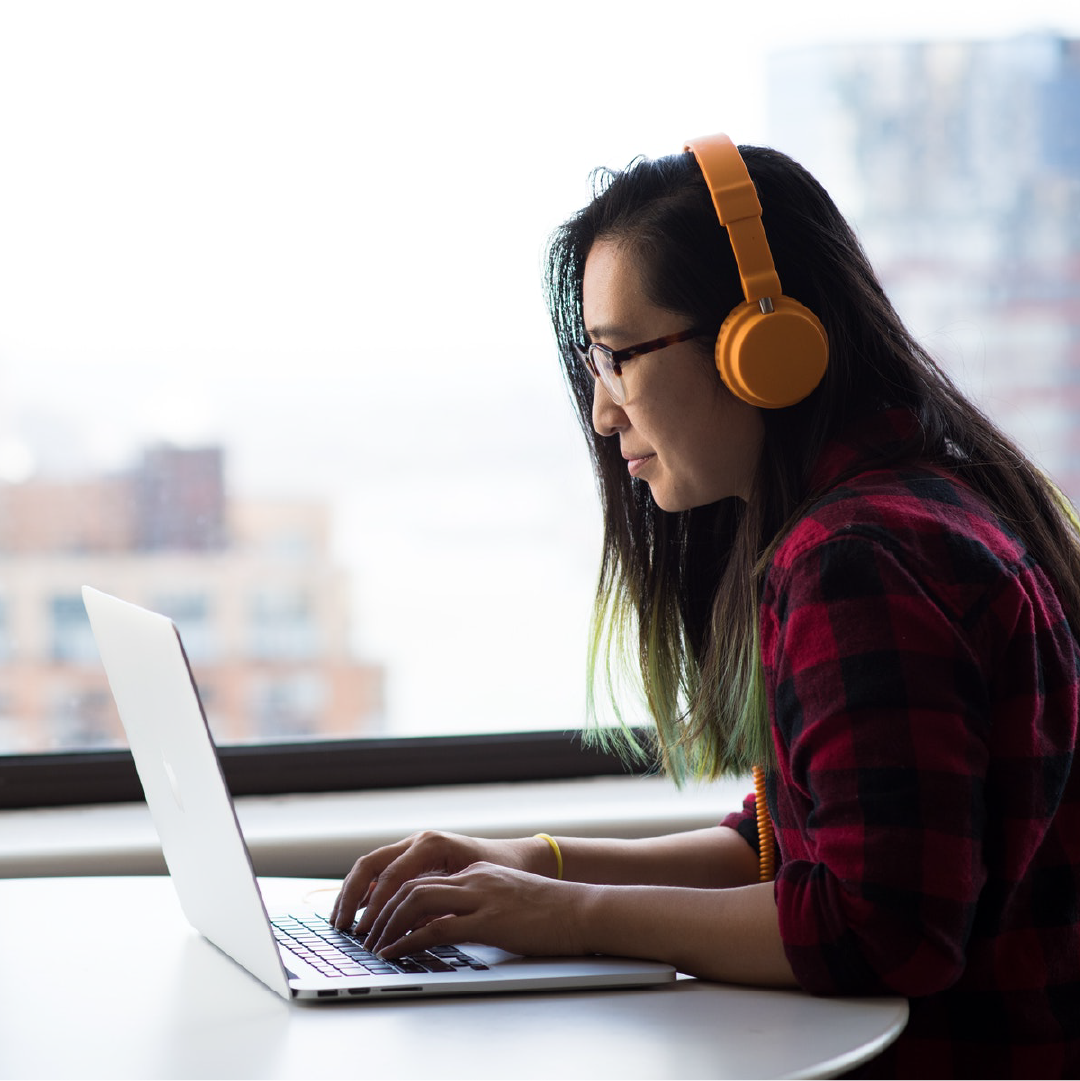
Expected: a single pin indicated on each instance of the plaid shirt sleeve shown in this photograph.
(878, 702)
(923, 688)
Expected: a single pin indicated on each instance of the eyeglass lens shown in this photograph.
(602, 366)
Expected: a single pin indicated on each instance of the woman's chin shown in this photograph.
(667, 501)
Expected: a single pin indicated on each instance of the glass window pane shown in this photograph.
(273, 353)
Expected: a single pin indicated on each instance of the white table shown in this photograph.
(82, 997)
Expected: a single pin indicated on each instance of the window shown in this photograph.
(282, 625)
(290, 706)
(7, 647)
(71, 639)
(273, 354)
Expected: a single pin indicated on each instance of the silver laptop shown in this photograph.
(297, 954)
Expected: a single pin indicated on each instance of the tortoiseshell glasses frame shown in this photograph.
(606, 364)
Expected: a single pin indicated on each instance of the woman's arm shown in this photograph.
(712, 858)
(720, 934)
(708, 858)
(731, 935)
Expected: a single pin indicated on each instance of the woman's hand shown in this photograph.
(495, 906)
(378, 876)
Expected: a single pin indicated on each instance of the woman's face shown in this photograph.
(680, 430)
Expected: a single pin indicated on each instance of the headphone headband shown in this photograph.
(739, 210)
(771, 351)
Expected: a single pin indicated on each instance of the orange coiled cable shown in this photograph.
(766, 838)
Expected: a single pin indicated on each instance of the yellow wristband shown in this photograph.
(554, 848)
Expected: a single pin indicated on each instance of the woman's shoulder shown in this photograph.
(876, 476)
(902, 504)
(918, 515)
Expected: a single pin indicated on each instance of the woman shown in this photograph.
(851, 579)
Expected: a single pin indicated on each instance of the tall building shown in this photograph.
(263, 609)
(959, 162)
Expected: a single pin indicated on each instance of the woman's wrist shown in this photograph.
(532, 854)
(554, 858)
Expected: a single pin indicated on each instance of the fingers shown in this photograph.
(429, 853)
(422, 913)
(385, 889)
(376, 878)
(444, 931)
(359, 883)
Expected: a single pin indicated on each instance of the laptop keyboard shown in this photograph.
(336, 953)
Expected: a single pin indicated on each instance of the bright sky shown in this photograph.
(312, 231)
(195, 179)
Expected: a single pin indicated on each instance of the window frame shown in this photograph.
(108, 776)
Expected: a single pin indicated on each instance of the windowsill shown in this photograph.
(322, 834)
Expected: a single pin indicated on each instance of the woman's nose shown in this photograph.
(607, 417)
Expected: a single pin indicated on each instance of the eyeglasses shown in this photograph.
(606, 364)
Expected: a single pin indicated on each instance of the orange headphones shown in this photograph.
(771, 351)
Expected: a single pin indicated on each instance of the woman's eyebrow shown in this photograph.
(605, 331)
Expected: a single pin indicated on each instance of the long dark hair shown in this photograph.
(676, 602)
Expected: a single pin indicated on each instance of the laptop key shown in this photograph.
(433, 964)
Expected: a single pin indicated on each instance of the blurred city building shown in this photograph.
(263, 611)
(959, 162)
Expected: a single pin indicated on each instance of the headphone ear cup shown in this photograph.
(772, 360)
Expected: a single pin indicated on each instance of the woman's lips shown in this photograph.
(635, 465)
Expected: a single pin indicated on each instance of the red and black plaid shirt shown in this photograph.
(923, 688)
